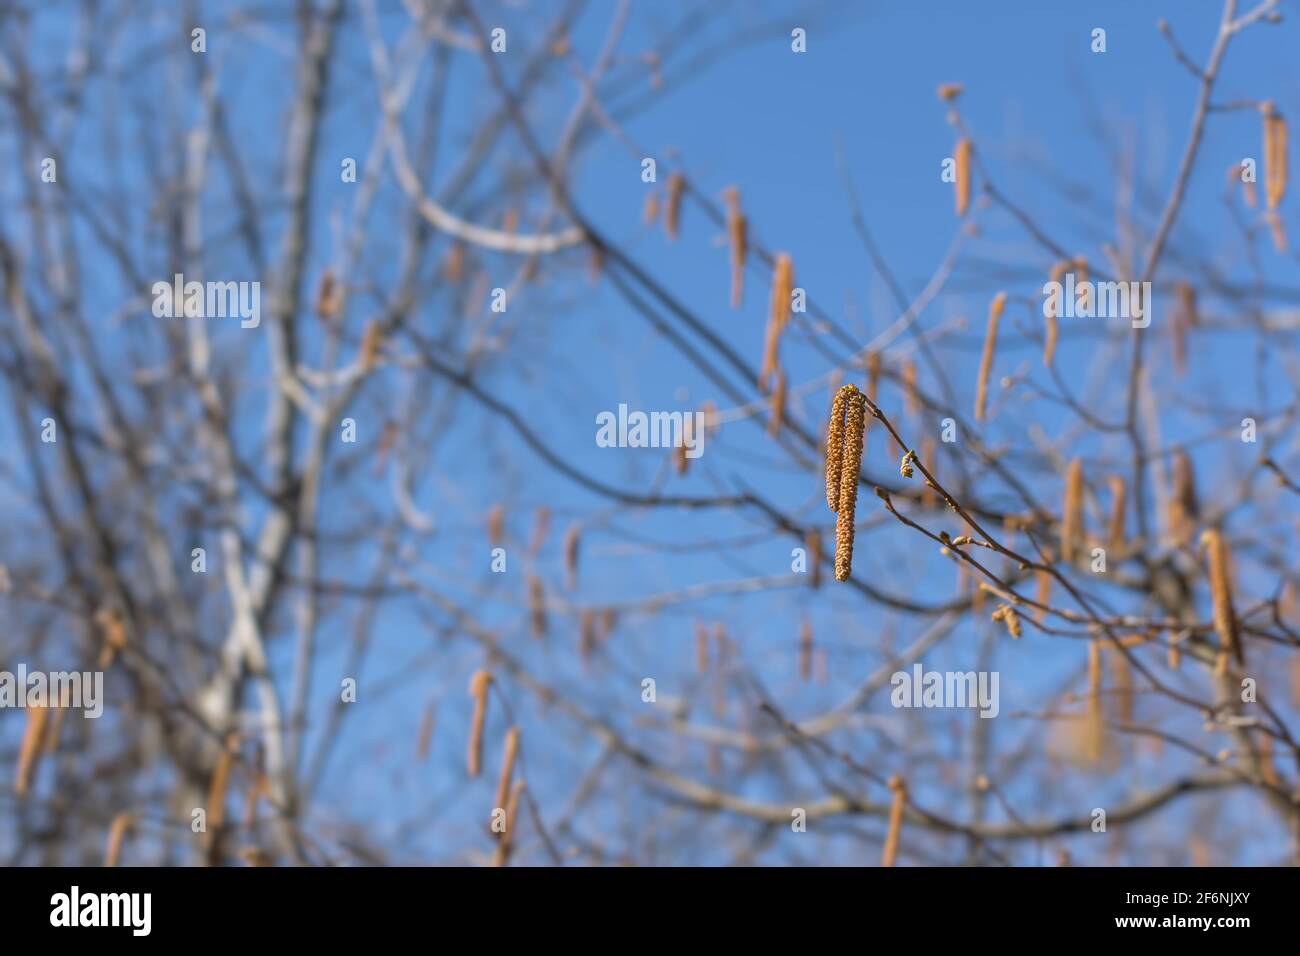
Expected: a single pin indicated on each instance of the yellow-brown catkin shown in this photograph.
(116, 834)
(1183, 506)
(425, 736)
(896, 805)
(962, 173)
(113, 627)
(1184, 319)
(217, 788)
(929, 497)
(1225, 617)
(1122, 674)
(453, 267)
(835, 446)
(1043, 590)
(911, 398)
(329, 296)
(949, 91)
(738, 240)
(673, 208)
(650, 213)
(536, 606)
(507, 768)
(986, 360)
(496, 523)
(1072, 512)
(710, 413)
(29, 752)
(507, 841)
(805, 650)
(813, 544)
(1115, 531)
(1080, 266)
(478, 689)
(776, 415)
(778, 315)
(854, 421)
(371, 342)
(1275, 159)
(572, 541)
(587, 638)
(1053, 332)
(541, 527)
(872, 386)
(701, 648)
(1094, 729)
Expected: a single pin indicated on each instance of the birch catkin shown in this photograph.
(507, 767)
(813, 542)
(986, 360)
(1053, 332)
(777, 407)
(962, 173)
(478, 689)
(778, 315)
(1275, 159)
(896, 805)
(1072, 512)
(835, 447)
(116, 834)
(1118, 509)
(571, 543)
(1183, 506)
(850, 467)
(737, 238)
(1094, 728)
(29, 752)
(1225, 617)
(805, 650)
(673, 208)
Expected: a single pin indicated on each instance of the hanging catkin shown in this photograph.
(1225, 617)
(986, 360)
(673, 209)
(478, 689)
(737, 240)
(1275, 160)
(896, 804)
(778, 315)
(1072, 512)
(850, 465)
(962, 173)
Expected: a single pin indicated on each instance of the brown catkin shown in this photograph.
(854, 422)
(776, 414)
(496, 523)
(1122, 674)
(587, 638)
(117, 831)
(1094, 729)
(673, 208)
(1225, 617)
(813, 543)
(986, 360)
(29, 752)
(217, 789)
(541, 528)
(425, 737)
(329, 296)
(1053, 333)
(113, 627)
(896, 805)
(962, 173)
(1115, 532)
(835, 446)
(738, 240)
(453, 267)
(805, 650)
(778, 315)
(1183, 507)
(478, 689)
(371, 342)
(1043, 589)
(1184, 319)
(572, 541)
(536, 606)
(1275, 160)
(1072, 512)
(701, 648)
(911, 398)
(650, 213)
(507, 768)
(507, 841)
